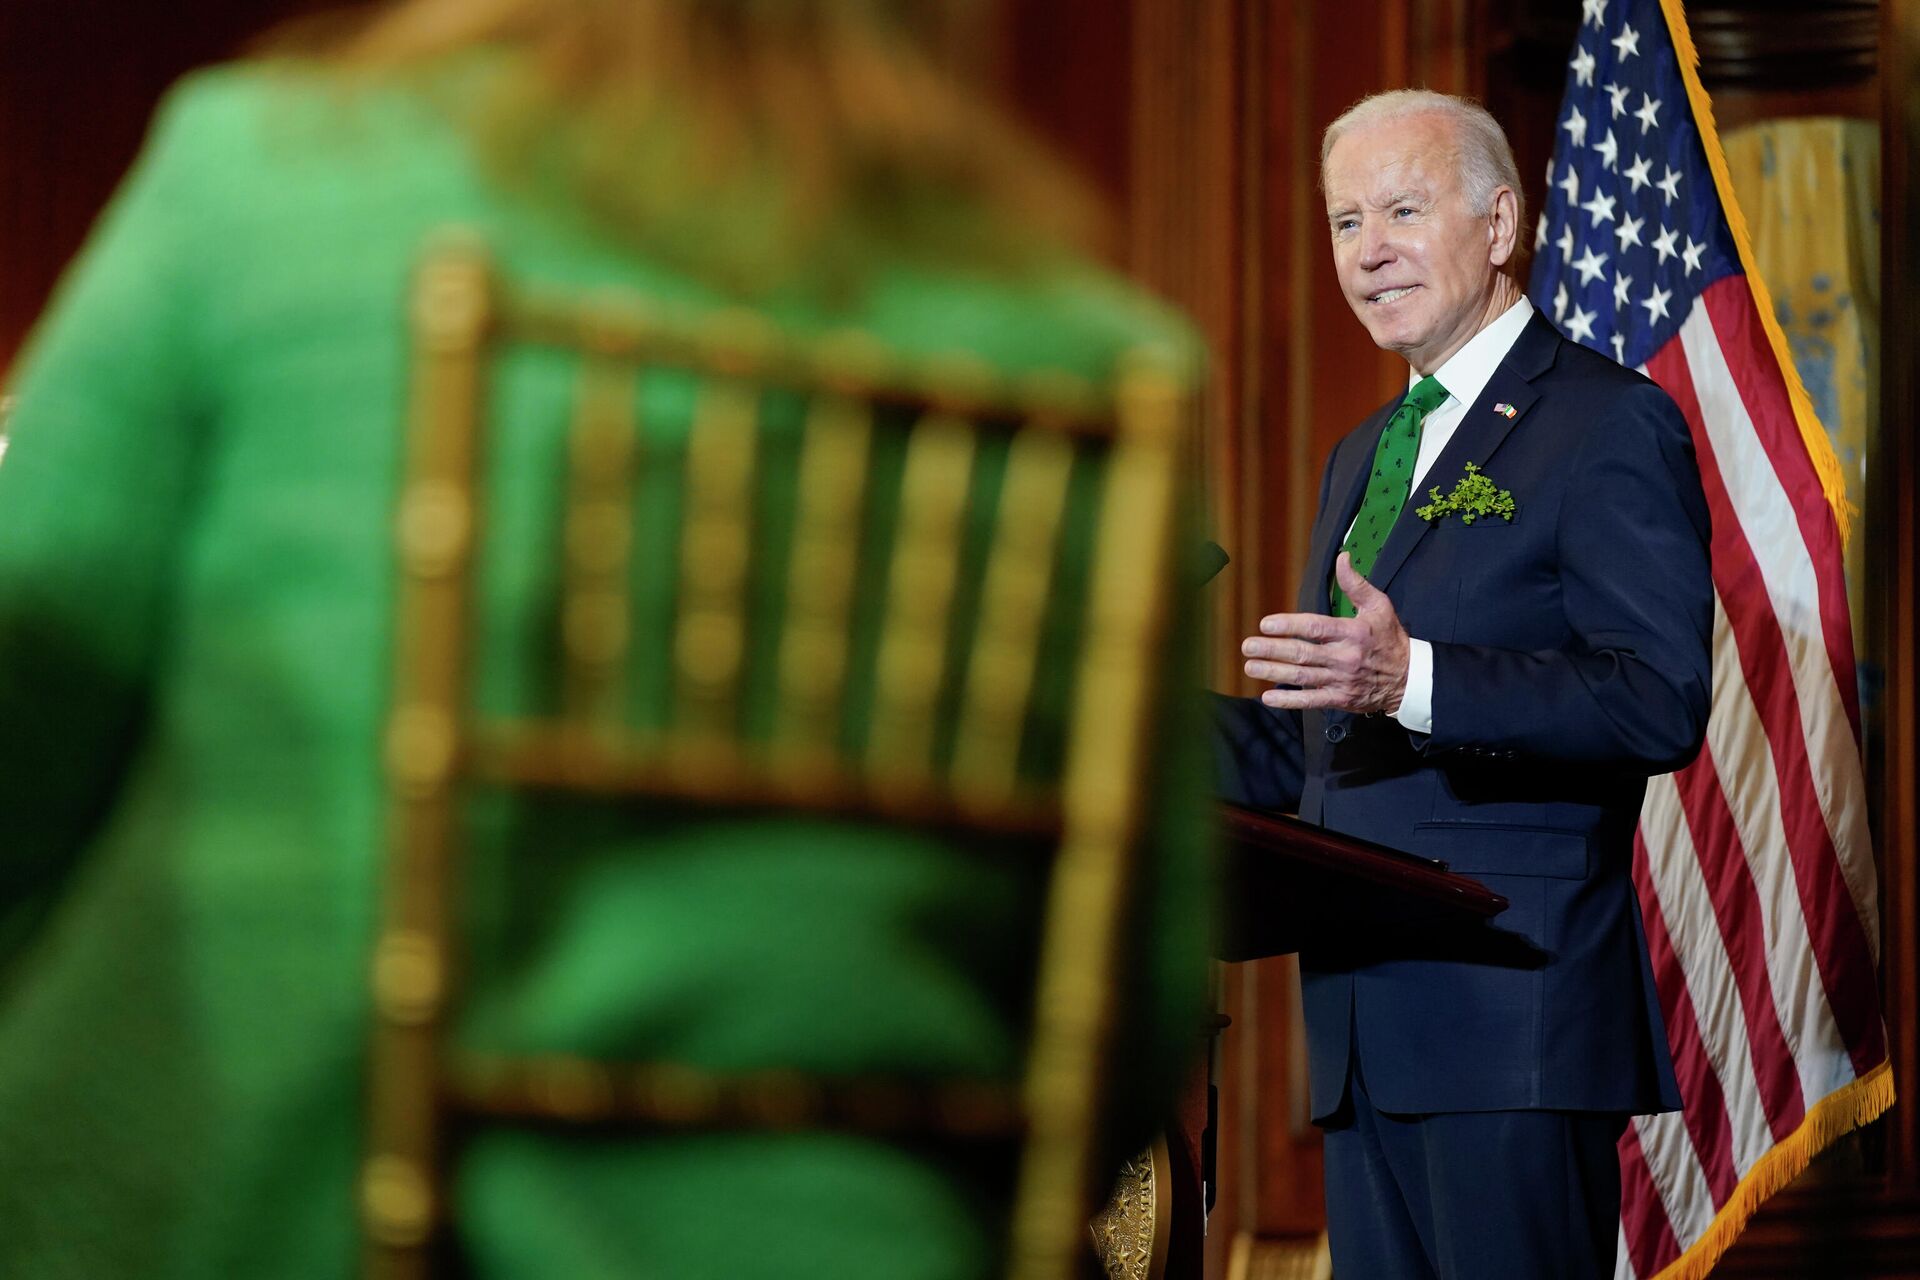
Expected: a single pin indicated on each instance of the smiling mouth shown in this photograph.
(1392, 295)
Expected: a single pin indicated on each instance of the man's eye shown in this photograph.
(1404, 211)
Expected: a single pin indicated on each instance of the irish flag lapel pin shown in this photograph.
(1505, 410)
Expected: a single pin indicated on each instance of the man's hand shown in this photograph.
(1356, 664)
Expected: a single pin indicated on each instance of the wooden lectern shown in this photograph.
(1287, 884)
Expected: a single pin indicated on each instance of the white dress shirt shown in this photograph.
(1465, 376)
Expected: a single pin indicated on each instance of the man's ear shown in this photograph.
(1503, 226)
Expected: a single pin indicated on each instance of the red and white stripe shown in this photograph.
(1753, 865)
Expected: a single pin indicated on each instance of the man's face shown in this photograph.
(1417, 265)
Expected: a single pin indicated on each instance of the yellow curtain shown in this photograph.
(1810, 189)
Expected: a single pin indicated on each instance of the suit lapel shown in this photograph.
(1346, 487)
(1475, 440)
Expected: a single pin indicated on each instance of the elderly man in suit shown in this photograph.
(1503, 631)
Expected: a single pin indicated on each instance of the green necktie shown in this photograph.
(1387, 490)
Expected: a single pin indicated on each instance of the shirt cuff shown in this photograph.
(1416, 704)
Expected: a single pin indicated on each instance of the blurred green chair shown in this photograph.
(932, 730)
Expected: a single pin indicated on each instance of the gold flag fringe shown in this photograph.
(1826, 463)
(1840, 1112)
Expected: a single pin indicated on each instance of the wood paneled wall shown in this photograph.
(1894, 618)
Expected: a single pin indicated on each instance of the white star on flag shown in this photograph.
(1670, 184)
(1580, 326)
(1649, 113)
(1571, 185)
(1589, 266)
(1618, 92)
(1620, 347)
(1656, 303)
(1566, 243)
(1621, 283)
(1582, 66)
(1559, 303)
(1691, 255)
(1540, 232)
(1627, 42)
(1663, 244)
(1594, 11)
(1576, 127)
(1628, 232)
(1638, 173)
(1601, 207)
(1609, 151)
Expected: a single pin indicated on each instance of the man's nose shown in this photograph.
(1376, 246)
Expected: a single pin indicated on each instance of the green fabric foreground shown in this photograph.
(195, 587)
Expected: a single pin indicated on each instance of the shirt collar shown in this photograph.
(1467, 371)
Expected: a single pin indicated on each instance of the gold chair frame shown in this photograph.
(435, 746)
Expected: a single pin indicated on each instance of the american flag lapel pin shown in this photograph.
(1505, 410)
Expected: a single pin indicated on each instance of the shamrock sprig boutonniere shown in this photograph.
(1472, 498)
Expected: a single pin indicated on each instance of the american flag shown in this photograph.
(1754, 869)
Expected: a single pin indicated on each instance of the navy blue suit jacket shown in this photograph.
(1570, 663)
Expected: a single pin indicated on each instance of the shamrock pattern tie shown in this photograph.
(1387, 490)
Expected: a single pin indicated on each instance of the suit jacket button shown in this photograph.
(1336, 733)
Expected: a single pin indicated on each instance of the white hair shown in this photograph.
(1481, 149)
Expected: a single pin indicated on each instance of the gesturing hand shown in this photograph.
(1356, 664)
